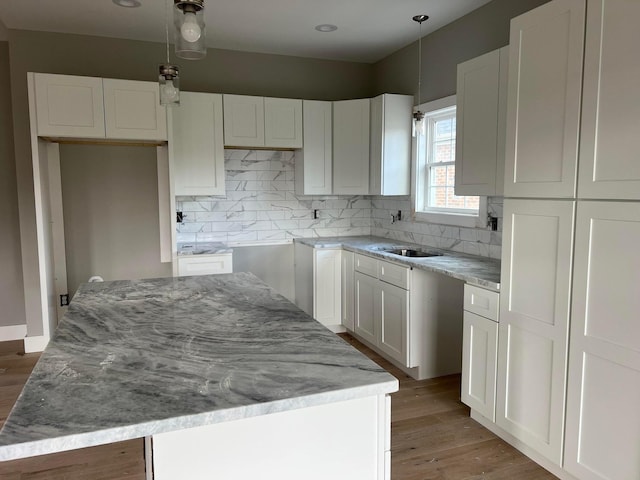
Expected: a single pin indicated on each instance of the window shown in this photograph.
(435, 153)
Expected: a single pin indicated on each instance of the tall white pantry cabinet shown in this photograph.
(569, 340)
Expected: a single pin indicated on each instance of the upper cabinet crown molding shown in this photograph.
(481, 123)
(544, 97)
(390, 144)
(90, 107)
(196, 145)
(262, 122)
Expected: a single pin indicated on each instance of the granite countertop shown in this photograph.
(481, 271)
(137, 358)
(202, 248)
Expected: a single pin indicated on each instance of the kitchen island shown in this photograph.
(222, 374)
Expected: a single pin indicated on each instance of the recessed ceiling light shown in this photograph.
(127, 3)
(326, 27)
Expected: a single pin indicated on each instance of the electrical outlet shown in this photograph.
(179, 217)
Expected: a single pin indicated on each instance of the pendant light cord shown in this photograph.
(166, 27)
(419, 61)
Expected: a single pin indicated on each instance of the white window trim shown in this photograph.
(452, 218)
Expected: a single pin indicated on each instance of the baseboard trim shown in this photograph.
(35, 344)
(519, 445)
(13, 332)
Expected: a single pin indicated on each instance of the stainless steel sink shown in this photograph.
(408, 252)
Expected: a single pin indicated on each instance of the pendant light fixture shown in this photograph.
(418, 116)
(168, 75)
(189, 29)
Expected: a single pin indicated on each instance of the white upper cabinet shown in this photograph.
(351, 147)
(603, 418)
(133, 111)
(481, 122)
(390, 145)
(243, 121)
(262, 122)
(544, 93)
(69, 106)
(196, 145)
(313, 164)
(609, 159)
(534, 322)
(283, 122)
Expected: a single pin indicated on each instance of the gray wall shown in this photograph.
(481, 31)
(11, 291)
(110, 204)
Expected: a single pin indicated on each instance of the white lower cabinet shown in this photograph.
(534, 321)
(348, 310)
(318, 278)
(408, 316)
(480, 350)
(603, 418)
(205, 264)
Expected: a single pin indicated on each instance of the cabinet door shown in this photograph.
(347, 290)
(545, 81)
(313, 163)
(534, 319)
(351, 147)
(132, 110)
(477, 96)
(365, 309)
(390, 144)
(327, 292)
(243, 121)
(205, 264)
(69, 106)
(603, 419)
(609, 160)
(392, 306)
(283, 123)
(479, 361)
(195, 144)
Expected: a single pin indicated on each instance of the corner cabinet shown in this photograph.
(262, 122)
(313, 163)
(196, 149)
(390, 145)
(481, 124)
(543, 104)
(351, 147)
(89, 107)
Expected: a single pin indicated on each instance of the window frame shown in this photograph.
(419, 179)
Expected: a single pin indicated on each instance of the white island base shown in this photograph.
(342, 440)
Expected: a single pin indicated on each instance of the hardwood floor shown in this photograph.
(432, 436)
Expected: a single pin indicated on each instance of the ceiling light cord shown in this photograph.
(166, 26)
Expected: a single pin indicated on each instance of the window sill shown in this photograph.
(456, 219)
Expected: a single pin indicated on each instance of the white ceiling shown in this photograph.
(368, 30)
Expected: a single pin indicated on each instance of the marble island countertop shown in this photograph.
(481, 271)
(137, 358)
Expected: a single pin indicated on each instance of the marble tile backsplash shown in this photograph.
(260, 206)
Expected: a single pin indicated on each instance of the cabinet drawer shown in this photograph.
(366, 265)
(205, 264)
(394, 274)
(481, 302)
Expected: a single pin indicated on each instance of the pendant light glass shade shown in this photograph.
(419, 124)
(169, 80)
(188, 16)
